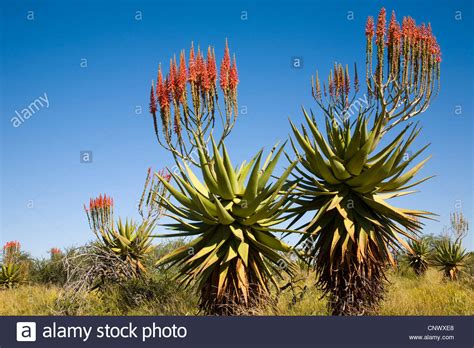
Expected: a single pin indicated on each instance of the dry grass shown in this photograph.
(407, 295)
(428, 295)
(28, 300)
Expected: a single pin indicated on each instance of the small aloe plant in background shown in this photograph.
(418, 257)
(129, 241)
(10, 268)
(450, 257)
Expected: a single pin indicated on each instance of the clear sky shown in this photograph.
(94, 108)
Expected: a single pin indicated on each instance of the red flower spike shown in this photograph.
(225, 69)
(199, 64)
(152, 100)
(205, 81)
(347, 82)
(211, 67)
(12, 246)
(369, 27)
(173, 78)
(331, 86)
(181, 80)
(163, 92)
(394, 31)
(381, 23)
(192, 74)
(100, 202)
(55, 251)
(233, 76)
(201, 68)
(159, 85)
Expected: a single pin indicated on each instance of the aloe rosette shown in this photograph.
(346, 180)
(418, 256)
(10, 275)
(450, 257)
(235, 254)
(130, 241)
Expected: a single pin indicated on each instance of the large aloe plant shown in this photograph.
(234, 254)
(348, 184)
(346, 176)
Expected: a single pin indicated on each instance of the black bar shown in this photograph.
(288, 332)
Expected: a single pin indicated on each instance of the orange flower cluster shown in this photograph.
(415, 46)
(200, 76)
(11, 252)
(100, 213)
(101, 202)
(55, 251)
(11, 247)
(228, 73)
(369, 27)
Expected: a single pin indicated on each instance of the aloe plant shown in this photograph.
(10, 269)
(419, 255)
(347, 183)
(10, 275)
(129, 241)
(234, 254)
(450, 257)
(346, 176)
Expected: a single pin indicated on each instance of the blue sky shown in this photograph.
(44, 185)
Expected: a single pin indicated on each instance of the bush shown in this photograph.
(48, 271)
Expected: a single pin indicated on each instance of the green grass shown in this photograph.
(406, 295)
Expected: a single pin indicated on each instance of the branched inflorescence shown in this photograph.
(401, 79)
(187, 100)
